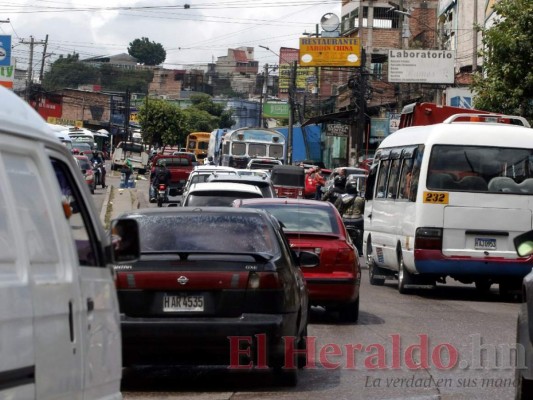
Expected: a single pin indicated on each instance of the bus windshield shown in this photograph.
(481, 169)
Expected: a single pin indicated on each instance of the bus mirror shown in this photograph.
(524, 244)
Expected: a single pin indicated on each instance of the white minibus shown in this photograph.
(446, 200)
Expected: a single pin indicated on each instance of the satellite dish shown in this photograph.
(329, 22)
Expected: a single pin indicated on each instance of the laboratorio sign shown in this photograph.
(438, 54)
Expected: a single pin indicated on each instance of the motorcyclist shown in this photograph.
(351, 207)
(98, 162)
(209, 160)
(338, 188)
(159, 175)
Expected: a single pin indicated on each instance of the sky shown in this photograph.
(193, 32)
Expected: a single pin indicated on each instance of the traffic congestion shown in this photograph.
(344, 211)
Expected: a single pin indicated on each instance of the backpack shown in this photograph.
(161, 175)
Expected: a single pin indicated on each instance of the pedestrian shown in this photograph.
(126, 170)
(319, 182)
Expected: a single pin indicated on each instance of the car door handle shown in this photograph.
(90, 304)
(71, 320)
(370, 215)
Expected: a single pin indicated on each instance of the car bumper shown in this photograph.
(327, 291)
(202, 340)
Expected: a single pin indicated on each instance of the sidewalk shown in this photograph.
(119, 200)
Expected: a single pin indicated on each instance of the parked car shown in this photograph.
(524, 332)
(218, 194)
(225, 273)
(59, 320)
(87, 171)
(81, 148)
(262, 182)
(317, 226)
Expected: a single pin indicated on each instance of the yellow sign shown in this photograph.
(330, 52)
(436, 197)
(63, 121)
(134, 117)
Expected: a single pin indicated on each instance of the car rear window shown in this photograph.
(217, 199)
(301, 218)
(206, 232)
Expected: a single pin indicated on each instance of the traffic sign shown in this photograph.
(5, 50)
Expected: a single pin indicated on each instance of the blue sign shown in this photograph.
(5, 50)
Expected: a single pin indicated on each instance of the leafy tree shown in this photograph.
(204, 102)
(226, 120)
(506, 83)
(162, 123)
(119, 79)
(200, 120)
(148, 53)
(69, 72)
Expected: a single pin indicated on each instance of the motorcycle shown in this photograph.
(99, 174)
(355, 229)
(160, 194)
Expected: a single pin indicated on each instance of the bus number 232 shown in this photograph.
(436, 197)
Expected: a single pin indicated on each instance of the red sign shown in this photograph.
(50, 106)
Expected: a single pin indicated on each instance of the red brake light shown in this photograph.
(428, 239)
(345, 256)
(162, 187)
(264, 280)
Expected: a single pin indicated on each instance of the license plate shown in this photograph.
(485, 244)
(183, 303)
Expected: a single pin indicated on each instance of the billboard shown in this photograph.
(421, 66)
(276, 110)
(330, 52)
(7, 76)
(5, 50)
(286, 57)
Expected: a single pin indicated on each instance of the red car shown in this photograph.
(317, 226)
(86, 170)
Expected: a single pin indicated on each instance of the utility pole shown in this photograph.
(42, 62)
(474, 39)
(29, 80)
(127, 99)
(263, 94)
(361, 121)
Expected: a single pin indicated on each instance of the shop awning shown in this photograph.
(341, 116)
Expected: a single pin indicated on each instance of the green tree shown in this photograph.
(226, 120)
(200, 120)
(148, 53)
(204, 103)
(69, 72)
(162, 123)
(505, 84)
(119, 79)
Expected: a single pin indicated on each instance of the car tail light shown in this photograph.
(345, 256)
(264, 280)
(428, 239)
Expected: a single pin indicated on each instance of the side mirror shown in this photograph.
(524, 244)
(308, 259)
(125, 243)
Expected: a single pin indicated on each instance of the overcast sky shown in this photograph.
(191, 36)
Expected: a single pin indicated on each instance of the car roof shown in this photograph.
(246, 179)
(286, 200)
(223, 186)
(203, 168)
(194, 210)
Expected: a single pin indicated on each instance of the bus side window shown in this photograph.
(406, 178)
(392, 187)
(382, 179)
(415, 175)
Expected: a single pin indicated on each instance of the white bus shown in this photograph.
(446, 200)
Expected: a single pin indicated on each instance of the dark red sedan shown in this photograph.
(316, 226)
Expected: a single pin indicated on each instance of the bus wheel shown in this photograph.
(374, 270)
(405, 278)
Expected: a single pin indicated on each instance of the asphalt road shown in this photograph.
(447, 343)
(454, 324)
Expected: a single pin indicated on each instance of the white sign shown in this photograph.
(421, 66)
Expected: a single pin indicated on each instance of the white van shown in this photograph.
(59, 321)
